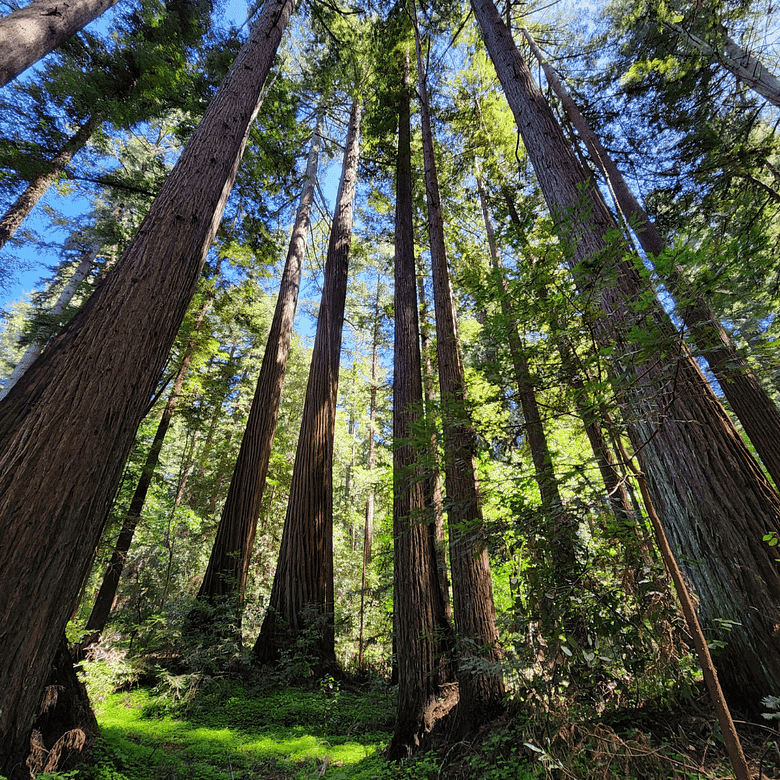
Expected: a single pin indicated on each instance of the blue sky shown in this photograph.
(40, 257)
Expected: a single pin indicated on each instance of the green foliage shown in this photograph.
(106, 669)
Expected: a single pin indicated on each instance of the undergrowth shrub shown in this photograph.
(107, 668)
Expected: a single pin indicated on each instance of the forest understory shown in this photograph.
(159, 721)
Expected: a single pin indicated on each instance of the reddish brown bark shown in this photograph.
(420, 621)
(714, 500)
(31, 32)
(433, 467)
(229, 561)
(67, 426)
(749, 401)
(481, 693)
(302, 591)
(108, 587)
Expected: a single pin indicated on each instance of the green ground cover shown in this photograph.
(226, 730)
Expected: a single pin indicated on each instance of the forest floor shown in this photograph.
(195, 727)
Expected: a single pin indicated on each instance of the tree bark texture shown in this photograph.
(67, 426)
(749, 401)
(36, 189)
(420, 622)
(229, 561)
(481, 693)
(714, 499)
(108, 587)
(65, 728)
(30, 33)
(302, 591)
(433, 494)
(35, 347)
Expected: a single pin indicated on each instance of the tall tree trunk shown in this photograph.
(748, 399)
(107, 593)
(302, 591)
(481, 693)
(368, 528)
(419, 617)
(35, 347)
(433, 495)
(229, 561)
(36, 189)
(30, 33)
(67, 426)
(738, 61)
(713, 498)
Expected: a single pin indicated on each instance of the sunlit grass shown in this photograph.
(232, 732)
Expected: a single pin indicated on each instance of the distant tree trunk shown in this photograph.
(481, 693)
(749, 401)
(78, 407)
(713, 498)
(738, 61)
(36, 189)
(107, 593)
(30, 33)
(350, 470)
(368, 528)
(302, 592)
(421, 627)
(36, 345)
(613, 482)
(229, 561)
(433, 494)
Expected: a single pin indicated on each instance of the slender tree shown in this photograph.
(724, 50)
(23, 205)
(77, 408)
(36, 345)
(302, 591)
(30, 33)
(715, 501)
(229, 561)
(420, 622)
(481, 692)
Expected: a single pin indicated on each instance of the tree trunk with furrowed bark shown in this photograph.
(67, 426)
(713, 498)
(302, 592)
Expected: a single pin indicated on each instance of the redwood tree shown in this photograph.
(30, 33)
(748, 400)
(302, 591)
(481, 692)
(104, 600)
(229, 561)
(420, 623)
(715, 502)
(67, 426)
